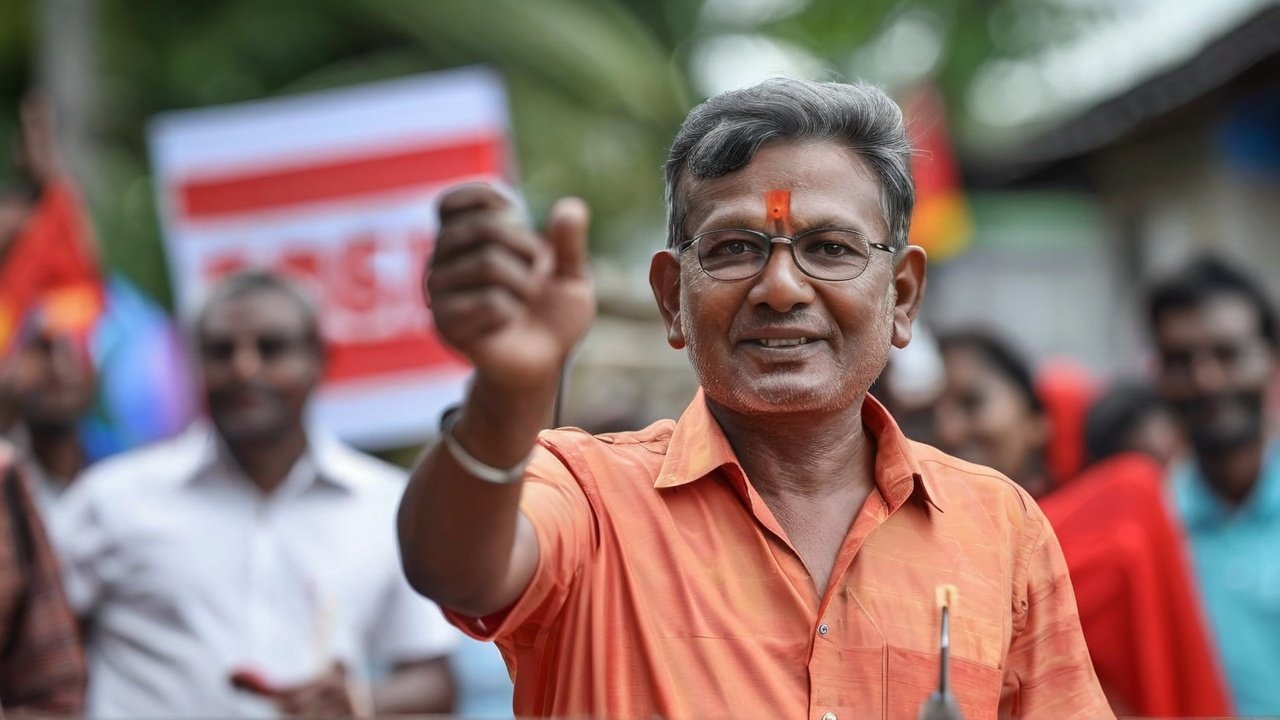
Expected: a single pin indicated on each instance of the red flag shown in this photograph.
(51, 263)
(941, 223)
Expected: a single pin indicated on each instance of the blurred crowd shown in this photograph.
(182, 542)
(164, 561)
(1164, 490)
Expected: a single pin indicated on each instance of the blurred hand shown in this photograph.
(326, 696)
(511, 302)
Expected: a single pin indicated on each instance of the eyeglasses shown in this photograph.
(270, 347)
(830, 254)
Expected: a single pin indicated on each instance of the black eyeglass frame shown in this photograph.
(788, 240)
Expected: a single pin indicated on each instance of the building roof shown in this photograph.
(1247, 48)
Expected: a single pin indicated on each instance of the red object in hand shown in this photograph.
(252, 681)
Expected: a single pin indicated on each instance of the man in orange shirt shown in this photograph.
(774, 552)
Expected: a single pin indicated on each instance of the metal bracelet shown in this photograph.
(474, 467)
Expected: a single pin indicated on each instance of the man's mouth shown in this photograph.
(782, 342)
(245, 399)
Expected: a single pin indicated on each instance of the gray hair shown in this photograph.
(723, 134)
(258, 281)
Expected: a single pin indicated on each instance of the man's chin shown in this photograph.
(1226, 425)
(779, 398)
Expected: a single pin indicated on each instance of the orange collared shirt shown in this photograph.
(665, 587)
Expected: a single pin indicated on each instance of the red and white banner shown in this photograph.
(338, 189)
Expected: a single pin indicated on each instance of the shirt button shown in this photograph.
(829, 716)
(823, 630)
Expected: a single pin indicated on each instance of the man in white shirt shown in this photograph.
(249, 567)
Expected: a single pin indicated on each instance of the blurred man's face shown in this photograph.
(1215, 367)
(56, 384)
(259, 361)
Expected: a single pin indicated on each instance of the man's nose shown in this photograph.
(65, 359)
(246, 361)
(1208, 374)
(781, 284)
(62, 355)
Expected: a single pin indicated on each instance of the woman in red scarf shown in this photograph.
(1138, 607)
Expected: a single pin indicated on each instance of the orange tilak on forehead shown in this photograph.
(777, 206)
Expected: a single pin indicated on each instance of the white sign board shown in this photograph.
(338, 189)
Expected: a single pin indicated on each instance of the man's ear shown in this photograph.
(664, 278)
(909, 280)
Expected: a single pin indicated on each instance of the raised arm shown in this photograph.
(514, 304)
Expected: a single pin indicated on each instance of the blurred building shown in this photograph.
(1157, 155)
(624, 375)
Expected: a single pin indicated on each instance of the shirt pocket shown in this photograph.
(912, 676)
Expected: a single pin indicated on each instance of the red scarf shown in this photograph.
(1139, 606)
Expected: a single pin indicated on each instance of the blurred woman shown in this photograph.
(989, 412)
(1138, 609)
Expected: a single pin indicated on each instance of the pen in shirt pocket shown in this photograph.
(941, 703)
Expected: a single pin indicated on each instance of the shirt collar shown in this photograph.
(208, 455)
(699, 447)
(1199, 506)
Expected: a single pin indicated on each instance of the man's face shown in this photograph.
(741, 335)
(259, 362)
(1215, 367)
(56, 384)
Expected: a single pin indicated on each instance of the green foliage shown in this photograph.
(16, 57)
(597, 87)
(595, 95)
